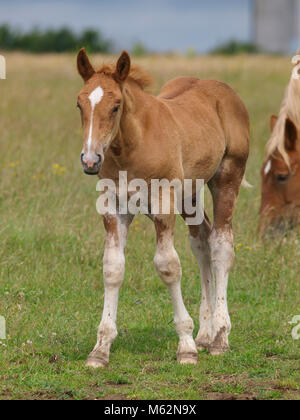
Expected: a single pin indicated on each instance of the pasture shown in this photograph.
(52, 241)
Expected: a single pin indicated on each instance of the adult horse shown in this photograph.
(192, 130)
(280, 207)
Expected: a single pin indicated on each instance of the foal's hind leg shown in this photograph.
(199, 238)
(113, 273)
(224, 188)
(168, 266)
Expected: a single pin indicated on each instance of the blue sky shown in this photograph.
(161, 24)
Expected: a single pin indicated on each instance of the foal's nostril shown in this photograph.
(86, 160)
(91, 163)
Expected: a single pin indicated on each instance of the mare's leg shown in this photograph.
(113, 272)
(168, 266)
(199, 238)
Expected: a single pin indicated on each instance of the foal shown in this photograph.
(192, 130)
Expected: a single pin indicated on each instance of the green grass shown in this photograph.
(52, 239)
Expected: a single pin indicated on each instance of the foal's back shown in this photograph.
(212, 120)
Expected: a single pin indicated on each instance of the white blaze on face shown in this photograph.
(95, 98)
(268, 167)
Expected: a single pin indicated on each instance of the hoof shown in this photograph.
(220, 344)
(95, 363)
(187, 358)
(201, 346)
(218, 351)
(203, 340)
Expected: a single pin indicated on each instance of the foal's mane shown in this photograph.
(290, 108)
(137, 74)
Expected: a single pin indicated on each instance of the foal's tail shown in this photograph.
(246, 184)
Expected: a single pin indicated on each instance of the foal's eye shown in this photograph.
(116, 109)
(281, 178)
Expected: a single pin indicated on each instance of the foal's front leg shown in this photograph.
(113, 272)
(168, 266)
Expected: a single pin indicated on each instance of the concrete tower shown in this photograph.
(297, 26)
(277, 25)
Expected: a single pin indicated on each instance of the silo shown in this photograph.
(297, 25)
(274, 25)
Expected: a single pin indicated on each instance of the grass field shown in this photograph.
(52, 240)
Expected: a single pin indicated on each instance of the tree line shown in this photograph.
(52, 40)
(64, 39)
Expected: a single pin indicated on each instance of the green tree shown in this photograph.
(235, 47)
(52, 40)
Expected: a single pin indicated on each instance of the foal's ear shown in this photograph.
(84, 66)
(123, 67)
(291, 135)
(273, 121)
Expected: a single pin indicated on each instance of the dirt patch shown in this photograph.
(254, 388)
(219, 396)
(5, 394)
(48, 395)
(113, 397)
(116, 384)
(149, 369)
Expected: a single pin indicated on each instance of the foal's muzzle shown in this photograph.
(91, 164)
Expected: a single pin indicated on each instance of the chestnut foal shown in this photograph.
(192, 130)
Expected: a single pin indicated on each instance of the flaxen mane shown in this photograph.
(137, 74)
(290, 109)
